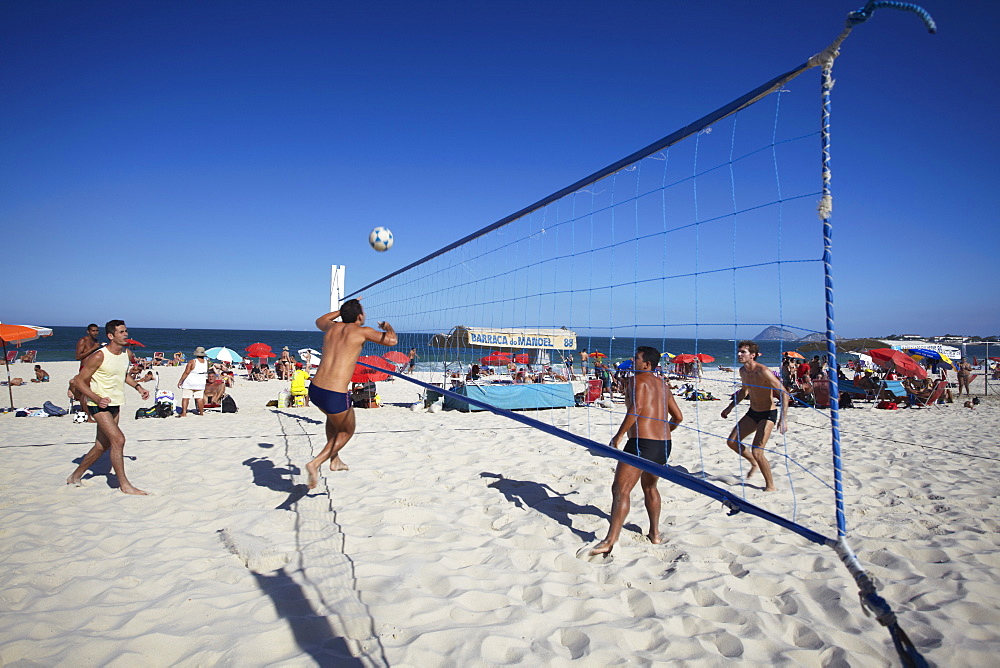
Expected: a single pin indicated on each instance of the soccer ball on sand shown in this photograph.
(380, 239)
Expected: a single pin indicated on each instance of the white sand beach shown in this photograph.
(453, 539)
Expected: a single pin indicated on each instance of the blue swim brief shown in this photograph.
(331, 403)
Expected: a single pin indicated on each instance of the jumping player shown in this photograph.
(329, 391)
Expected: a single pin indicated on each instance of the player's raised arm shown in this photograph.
(387, 337)
(324, 321)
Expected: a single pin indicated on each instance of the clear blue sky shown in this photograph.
(202, 164)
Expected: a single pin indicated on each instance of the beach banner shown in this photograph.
(540, 339)
(558, 339)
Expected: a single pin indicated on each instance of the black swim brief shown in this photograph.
(94, 410)
(757, 416)
(648, 448)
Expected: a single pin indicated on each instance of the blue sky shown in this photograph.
(192, 164)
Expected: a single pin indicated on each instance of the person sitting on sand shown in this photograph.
(329, 390)
(763, 388)
(215, 389)
(41, 375)
(651, 414)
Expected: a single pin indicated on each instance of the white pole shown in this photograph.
(337, 272)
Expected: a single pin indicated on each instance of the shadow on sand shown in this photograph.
(530, 494)
(312, 632)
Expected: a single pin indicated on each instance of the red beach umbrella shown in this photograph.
(133, 342)
(363, 374)
(598, 354)
(683, 358)
(704, 359)
(257, 350)
(521, 358)
(397, 357)
(904, 364)
(494, 359)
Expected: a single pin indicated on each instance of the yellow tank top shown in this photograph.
(109, 379)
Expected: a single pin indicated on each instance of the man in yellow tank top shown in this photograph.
(101, 382)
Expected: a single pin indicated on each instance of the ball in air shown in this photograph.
(380, 239)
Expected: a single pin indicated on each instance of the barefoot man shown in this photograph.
(102, 382)
(763, 388)
(651, 414)
(329, 391)
(84, 347)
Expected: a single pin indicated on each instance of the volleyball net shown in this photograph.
(720, 231)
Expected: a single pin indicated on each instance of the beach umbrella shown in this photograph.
(18, 334)
(521, 358)
(704, 358)
(257, 350)
(792, 353)
(627, 364)
(932, 355)
(494, 359)
(397, 357)
(364, 374)
(224, 354)
(903, 363)
(310, 354)
(598, 354)
(501, 353)
(133, 342)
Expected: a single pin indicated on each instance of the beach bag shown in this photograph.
(164, 409)
(846, 401)
(142, 413)
(887, 405)
(229, 404)
(52, 410)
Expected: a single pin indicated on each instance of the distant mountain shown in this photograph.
(815, 336)
(776, 334)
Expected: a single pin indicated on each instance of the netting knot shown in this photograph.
(825, 207)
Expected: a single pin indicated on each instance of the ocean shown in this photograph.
(61, 346)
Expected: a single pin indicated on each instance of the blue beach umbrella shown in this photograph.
(932, 355)
(224, 354)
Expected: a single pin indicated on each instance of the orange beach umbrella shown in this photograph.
(18, 334)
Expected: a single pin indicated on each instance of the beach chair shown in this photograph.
(857, 393)
(11, 356)
(29, 357)
(932, 399)
(158, 359)
(893, 387)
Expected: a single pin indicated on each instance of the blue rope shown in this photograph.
(859, 16)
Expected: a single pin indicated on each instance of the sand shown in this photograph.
(453, 539)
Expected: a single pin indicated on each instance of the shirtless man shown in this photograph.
(763, 388)
(651, 414)
(101, 382)
(85, 346)
(330, 388)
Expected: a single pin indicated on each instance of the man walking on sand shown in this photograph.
(85, 346)
(329, 391)
(101, 382)
(763, 388)
(651, 414)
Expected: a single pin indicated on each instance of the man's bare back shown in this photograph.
(342, 343)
